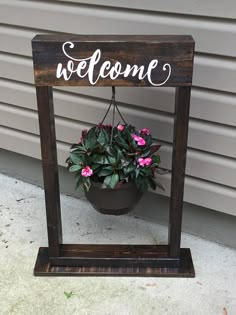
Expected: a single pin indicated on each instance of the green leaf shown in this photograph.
(79, 149)
(130, 168)
(79, 182)
(101, 159)
(121, 142)
(126, 162)
(92, 133)
(95, 166)
(143, 184)
(112, 180)
(138, 181)
(156, 159)
(105, 172)
(148, 140)
(147, 171)
(131, 140)
(75, 145)
(87, 144)
(93, 157)
(75, 168)
(122, 176)
(77, 159)
(110, 150)
(90, 144)
(103, 137)
(107, 180)
(119, 155)
(142, 171)
(68, 295)
(152, 183)
(87, 183)
(145, 153)
(111, 159)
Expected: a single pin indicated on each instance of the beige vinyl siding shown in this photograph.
(71, 18)
(194, 7)
(211, 161)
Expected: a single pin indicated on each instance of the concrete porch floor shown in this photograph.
(23, 230)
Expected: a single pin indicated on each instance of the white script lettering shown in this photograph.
(107, 70)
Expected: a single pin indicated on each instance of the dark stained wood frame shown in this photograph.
(114, 260)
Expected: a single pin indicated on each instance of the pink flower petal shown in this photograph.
(120, 128)
(141, 162)
(135, 137)
(141, 141)
(87, 172)
(148, 161)
(145, 131)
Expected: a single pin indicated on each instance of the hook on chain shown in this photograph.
(113, 91)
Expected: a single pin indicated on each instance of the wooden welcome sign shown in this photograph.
(121, 60)
(144, 61)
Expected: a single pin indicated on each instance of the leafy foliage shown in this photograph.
(112, 157)
(68, 295)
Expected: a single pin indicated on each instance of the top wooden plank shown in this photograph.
(106, 60)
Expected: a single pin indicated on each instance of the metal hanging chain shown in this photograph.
(113, 102)
(107, 111)
(116, 106)
(113, 120)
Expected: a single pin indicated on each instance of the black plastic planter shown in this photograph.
(116, 201)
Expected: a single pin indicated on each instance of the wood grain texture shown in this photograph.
(115, 255)
(50, 168)
(165, 260)
(44, 268)
(139, 50)
(182, 103)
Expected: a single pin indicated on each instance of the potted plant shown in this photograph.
(115, 164)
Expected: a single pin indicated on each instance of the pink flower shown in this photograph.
(142, 162)
(148, 161)
(145, 131)
(101, 126)
(87, 171)
(84, 132)
(135, 137)
(139, 140)
(120, 128)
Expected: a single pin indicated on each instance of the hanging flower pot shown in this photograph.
(120, 200)
(115, 164)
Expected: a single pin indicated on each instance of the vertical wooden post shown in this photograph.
(182, 102)
(50, 168)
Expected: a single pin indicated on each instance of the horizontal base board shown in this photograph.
(106, 266)
(115, 255)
